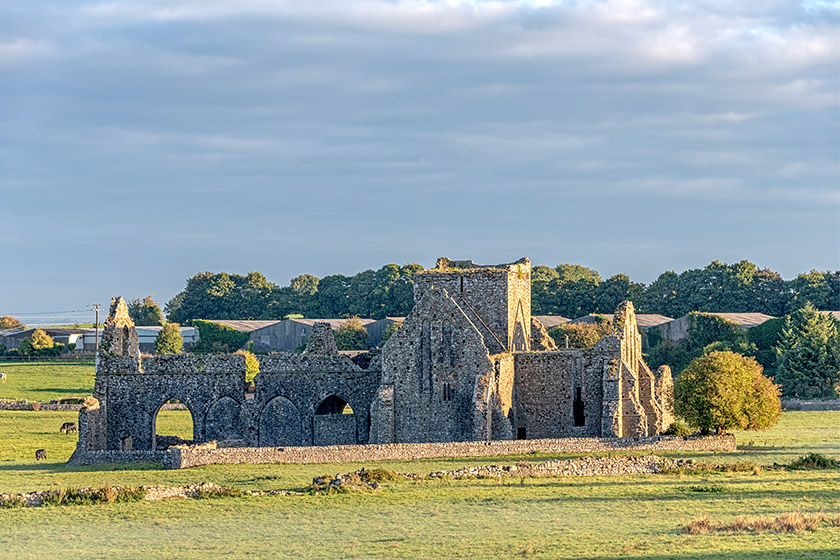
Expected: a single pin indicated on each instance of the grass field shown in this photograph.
(588, 517)
(44, 381)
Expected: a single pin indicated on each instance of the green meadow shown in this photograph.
(562, 517)
(44, 380)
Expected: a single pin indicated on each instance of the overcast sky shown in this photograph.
(142, 142)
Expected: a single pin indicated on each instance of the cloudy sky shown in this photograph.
(143, 142)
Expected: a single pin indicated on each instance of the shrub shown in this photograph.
(813, 462)
(725, 390)
(808, 355)
(678, 428)
(252, 365)
(214, 337)
(40, 343)
(580, 335)
(169, 340)
(9, 322)
(351, 335)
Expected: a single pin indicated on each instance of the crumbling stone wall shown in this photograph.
(119, 337)
(212, 388)
(439, 382)
(469, 364)
(291, 387)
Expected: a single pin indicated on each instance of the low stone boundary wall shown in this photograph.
(25, 405)
(797, 404)
(183, 458)
(82, 458)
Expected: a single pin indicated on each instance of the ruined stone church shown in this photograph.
(468, 364)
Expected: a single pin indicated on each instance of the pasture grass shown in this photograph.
(43, 381)
(563, 517)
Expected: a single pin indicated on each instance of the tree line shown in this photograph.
(569, 290)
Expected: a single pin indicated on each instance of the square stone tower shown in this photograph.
(496, 298)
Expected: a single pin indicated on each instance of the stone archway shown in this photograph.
(280, 424)
(172, 425)
(224, 421)
(335, 422)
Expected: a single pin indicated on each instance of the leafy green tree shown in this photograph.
(145, 312)
(351, 335)
(575, 272)
(808, 355)
(37, 343)
(726, 391)
(9, 322)
(661, 295)
(214, 337)
(771, 293)
(541, 277)
(222, 296)
(169, 340)
(614, 290)
(813, 287)
(331, 298)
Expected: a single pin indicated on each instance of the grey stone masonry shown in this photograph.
(469, 364)
(322, 340)
(183, 457)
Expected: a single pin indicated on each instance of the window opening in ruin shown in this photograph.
(125, 343)
(126, 444)
(334, 405)
(520, 433)
(580, 419)
(462, 284)
(447, 392)
(173, 425)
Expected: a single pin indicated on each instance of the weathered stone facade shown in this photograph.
(469, 364)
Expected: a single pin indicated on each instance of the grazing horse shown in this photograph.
(40, 454)
(68, 428)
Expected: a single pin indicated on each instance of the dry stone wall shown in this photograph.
(182, 458)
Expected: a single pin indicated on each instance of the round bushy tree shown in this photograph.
(725, 390)
(351, 335)
(145, 312)
(169, 340)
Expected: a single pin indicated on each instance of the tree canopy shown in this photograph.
(808, 355)
(145, 312)
(169, 340)
(726, 391)
(570, 290)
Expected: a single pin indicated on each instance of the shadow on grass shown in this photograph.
(63, 468)
(81, 392)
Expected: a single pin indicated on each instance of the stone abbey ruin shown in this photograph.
(468, 364)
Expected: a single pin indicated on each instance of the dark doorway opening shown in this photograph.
(520, 433)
